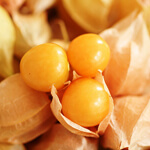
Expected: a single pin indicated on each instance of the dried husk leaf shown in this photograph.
(61, 43)
(141, 133)
(73, 127)
(7, 41)
(93, 17)
(11, 147)
(128, 71)
(126, 7)
(24, 112)
(38, 6)
(60, 138)
(97, 16)
(60, 33)
(11, 5)
(18, 101)
(31, 30)
(29, 129)
(130, 113)
(146, 13)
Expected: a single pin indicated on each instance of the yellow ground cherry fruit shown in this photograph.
(45, 65)
(85, 102)
(88, 53)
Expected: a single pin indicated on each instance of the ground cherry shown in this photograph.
(45, 65)
(88, 53)
(85, 102)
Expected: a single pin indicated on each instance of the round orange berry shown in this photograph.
(45, 65)
(85, 102)
(88, 53)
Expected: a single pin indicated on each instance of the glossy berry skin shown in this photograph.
(88, 53)
(45, 65)
(85, 102)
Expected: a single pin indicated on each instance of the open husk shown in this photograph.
(129, 124)
(60, 138)
(73, 127)
(128, 71)
(24, 112)
(31, 30)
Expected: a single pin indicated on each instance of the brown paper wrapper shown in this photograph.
(129, 124)
(60, 138)
(73, 127)
(128, 72)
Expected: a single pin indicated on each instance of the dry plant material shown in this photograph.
(38, 6)
(73, 127)
(60, 33)
(128, 71)
(12, 5)
(32, 30)
(146, 12)
(61, 43)
(7, 41)
(93, 17)
(97, 16)
(129, 125)
(60, 138)
(24, 112)
(11, 147)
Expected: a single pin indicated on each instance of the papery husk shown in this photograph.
(60, 138)
(29, 129)
(73, 28)
(128, 71)
(146, 13)
(73, 127)
(126, 7)
(38, 6)
(97, 16)
(11, 147)
(24, 112)
(129, 124)
(12, 5)
(19, 102)
(93, 17)
(7, 41)
(62, 43)
(31, 30)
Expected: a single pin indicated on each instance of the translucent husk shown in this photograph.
(129, 124)
(31, 30)
(24, 112)
(7, 41)
(11, 147)
(73, 127)
(60, 138)
(128, 72)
